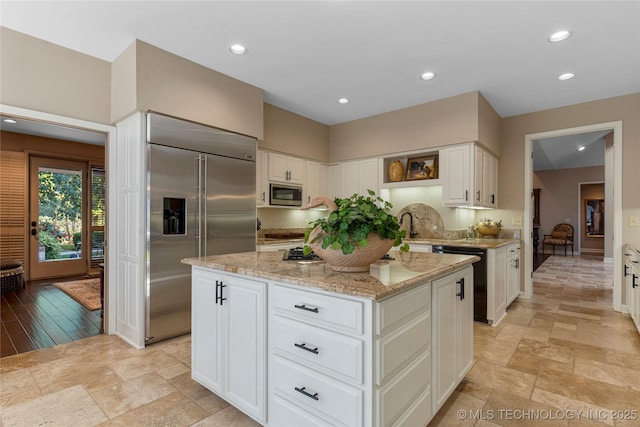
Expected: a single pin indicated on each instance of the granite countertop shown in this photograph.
(384, 279)
(471, 243)
(278, 240)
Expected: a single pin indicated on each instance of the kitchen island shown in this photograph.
(293, 342)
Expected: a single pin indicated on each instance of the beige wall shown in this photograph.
(625, 108)
(488, 126)
(124, 84)
(178, 87)
(434, 124)
(293, 134)
(559, 195)
(41, 76)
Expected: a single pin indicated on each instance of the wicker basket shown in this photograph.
(358, 261)
(11, 276)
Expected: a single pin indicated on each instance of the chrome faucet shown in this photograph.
(412, 233)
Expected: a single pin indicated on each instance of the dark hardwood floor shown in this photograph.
(538, 259)
(42, 316)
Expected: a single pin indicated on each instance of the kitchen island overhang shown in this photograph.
(384, 279)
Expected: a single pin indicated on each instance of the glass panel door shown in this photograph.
(57, 217)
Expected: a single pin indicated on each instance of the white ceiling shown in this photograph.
(307, 54)
(561, 152)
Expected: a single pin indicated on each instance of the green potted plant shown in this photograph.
(357, 232)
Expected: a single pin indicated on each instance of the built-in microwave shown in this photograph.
(285, 195)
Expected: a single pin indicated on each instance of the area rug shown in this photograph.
(86, 292)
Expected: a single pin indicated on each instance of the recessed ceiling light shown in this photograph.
(237, 49)
(581, 148)
(559, 36)
(428, 75)
(9, 121)
(343, 101)
(566, 76)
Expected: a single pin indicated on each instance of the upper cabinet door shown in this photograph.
(489, 180)
(456, 174)
(286, 169)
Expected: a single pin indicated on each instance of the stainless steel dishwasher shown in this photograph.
(479, 277)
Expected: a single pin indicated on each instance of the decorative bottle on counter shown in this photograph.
(396, 171)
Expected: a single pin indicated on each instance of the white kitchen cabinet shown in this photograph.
(469, 176)
(354, 177)
(229, 339)
(274, 247)
(262, 178)
(513, 272)
(286, 169)
(496, 285)
(452, 333)
(315, 181)
(632, 281)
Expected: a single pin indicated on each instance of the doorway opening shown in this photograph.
(613, 169)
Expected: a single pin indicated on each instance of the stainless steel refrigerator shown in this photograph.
(201, 201)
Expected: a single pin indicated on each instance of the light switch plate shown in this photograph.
(516, 220)
(633, 221)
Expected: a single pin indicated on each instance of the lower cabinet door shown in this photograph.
(465, 324)
(207, 346)
(444, 339)
(245, 310)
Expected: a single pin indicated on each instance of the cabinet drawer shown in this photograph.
(284, 413)
(405, 391)
(328, 399)
(397, 349)
(332, 353)
(326, 311)
(396, 311)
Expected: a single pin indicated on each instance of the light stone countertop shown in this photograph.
(384, 279)
(470, 243)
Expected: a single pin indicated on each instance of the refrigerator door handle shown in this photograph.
(202, 214)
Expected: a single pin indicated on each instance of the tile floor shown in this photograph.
(563, 358)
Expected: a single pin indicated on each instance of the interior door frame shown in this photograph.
(616, 127)
(65, 267)
(110, 232)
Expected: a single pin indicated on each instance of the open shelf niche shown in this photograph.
(404, 159)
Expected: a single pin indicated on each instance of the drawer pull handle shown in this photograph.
(304, 307)
(302, 390)
(304, 347)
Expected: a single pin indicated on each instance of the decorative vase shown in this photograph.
(396, 171)
(358, 261)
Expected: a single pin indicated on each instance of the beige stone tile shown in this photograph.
(517, 332)
(227, 417)
(578, 315)
(579, 410)
(174, 409)
(212, 403)
(173, 371)
(607, 373)
(17, 387)
(118, 399)
(141, 362)
(501, 378)
(510, 410)
(587, 390)
(477, 390)
(590, 333)
(189, 387)
(101, 376)
(69, 407)
(494, 350)
(459, 410)
(27, 360)
(532, 356)
(566, 326)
